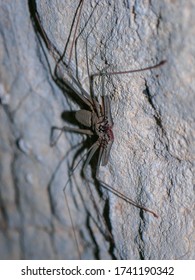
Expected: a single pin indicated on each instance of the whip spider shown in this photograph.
(95, 116)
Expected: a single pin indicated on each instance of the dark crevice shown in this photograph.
(109, 226)
(140, 234)
(96, 250)
(3, 210)
(134, 13)
(162, 132)
(17, 203)
(157, 115)
(150, 100)
(158, 22)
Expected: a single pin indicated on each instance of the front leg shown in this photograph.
(67, 128)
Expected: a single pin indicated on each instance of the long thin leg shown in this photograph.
(76, 81)
(106, 103)
(73, 227)
(85, 97)
(131, 71)
(74, 129)
(106, 154)
(38, 26)
(66, 128)
(127, 199)
(94, 148)
(99, 161)
(101, 219)
(70, 56)
(76, 27)
(90, 152)
(94, 98)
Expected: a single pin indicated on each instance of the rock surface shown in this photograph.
(151, 159)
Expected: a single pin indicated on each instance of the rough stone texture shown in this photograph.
(152, 157)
